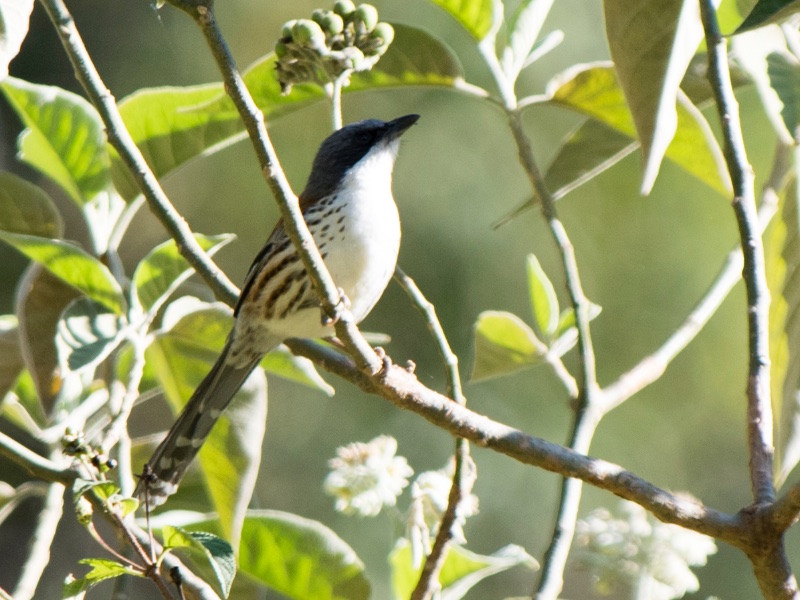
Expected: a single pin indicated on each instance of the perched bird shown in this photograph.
(349, 209)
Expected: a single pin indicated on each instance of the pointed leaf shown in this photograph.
(64, 137)
(163, 270)
(300, 558)
(474, 15)
(11, 363)
(651, 44)
(26, 208)
(72, 265)
(566, 335)
(504, 344)
(231, 455)
(215, 551)
(782, 255)
(14, 20)
(87, 333)
(41, 298)
(783, 71)
(102, 569)
(766, 12)
(593, 90)
(544, 302)
(524, 27)
(461, 570)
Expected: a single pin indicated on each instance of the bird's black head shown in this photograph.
(344, 148)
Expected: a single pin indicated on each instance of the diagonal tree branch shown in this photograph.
(759, 412)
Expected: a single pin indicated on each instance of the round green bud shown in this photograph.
(280, 49)
(353, 58)
(287, 28)
(384, 32)
(344, 8)
(308, 33)
(368, 15)
(329, 21)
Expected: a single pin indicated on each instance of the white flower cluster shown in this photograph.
(634, 548)
(366, 477)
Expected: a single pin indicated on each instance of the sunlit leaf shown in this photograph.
(87, 333)
(160, 273)
(651, 43)
(72, 265)
(783, 71)
(461, 570)
(782, 255)
(474, 15)
(26, 208)
(504, 344)
(215, 551)
(593, 90)
(64, 137)
(299, 369)
(524, 29)
(41, 298)
(766, 12)
(566, 335)
(102, 569)
(751, 51)
(542, 295)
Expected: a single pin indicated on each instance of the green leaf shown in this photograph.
(87, 333)
(591, 148)
(181, 357)
(163, 270)
(766, 12)
(782, 256)
(11, 363)
(215, 551)
(64, 137)
(593, 90)
(102, 569)
(174, 125)
(651, 46)
(544, 302)
(299, 369)
(300, 558)
(475, 16)
(504, 344)
(41, 299)
(26, 208)
(461, 570)
(566, 335)
(524, 27)
(14, 21)
(783, 71)
(72, 265)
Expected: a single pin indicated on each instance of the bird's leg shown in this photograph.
(342, 304)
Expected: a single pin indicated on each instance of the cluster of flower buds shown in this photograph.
(75, 445)
(330, 45)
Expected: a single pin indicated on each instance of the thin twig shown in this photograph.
(330, 298)
(120, 139)
(759, 412)
(38, 466)
(461, 487)
(650, 368)
(403, 389)
(41, 542)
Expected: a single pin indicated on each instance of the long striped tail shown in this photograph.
(172, 458)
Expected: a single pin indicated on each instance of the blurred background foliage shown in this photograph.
(644, 260)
